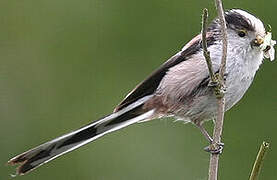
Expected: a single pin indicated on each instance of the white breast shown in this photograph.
(242, 66)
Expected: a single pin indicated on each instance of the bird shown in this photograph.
(179, 88)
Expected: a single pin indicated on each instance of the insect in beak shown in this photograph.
(268, 46)
(257, 41)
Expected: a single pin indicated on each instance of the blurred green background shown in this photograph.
(64, 63)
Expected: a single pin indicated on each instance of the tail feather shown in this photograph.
(48, 151)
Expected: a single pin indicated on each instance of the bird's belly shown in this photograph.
(205, 107)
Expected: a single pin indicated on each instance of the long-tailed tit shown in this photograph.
(178, 88)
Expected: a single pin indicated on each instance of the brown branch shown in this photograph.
(206, 53)
(213, 169)
(218, 82)
(259, 160)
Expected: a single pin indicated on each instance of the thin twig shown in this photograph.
(218, 82)
(259, 160)
(220, 12)
(214, 158)
(206, 53)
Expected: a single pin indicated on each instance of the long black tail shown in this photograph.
(50, 150)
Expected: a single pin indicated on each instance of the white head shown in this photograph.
(244, 29)
(253, 21)
(246, 33)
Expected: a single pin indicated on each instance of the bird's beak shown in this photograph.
(258, 41)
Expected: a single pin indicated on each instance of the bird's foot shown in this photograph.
(215, 148)
(213, 84)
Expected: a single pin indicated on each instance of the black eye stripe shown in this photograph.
(237, 21)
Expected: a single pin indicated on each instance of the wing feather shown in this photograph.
(150, 84)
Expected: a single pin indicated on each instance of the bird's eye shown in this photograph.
(242, 33)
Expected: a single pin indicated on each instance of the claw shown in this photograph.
(214, 148)
(212, 84)
(225, 76)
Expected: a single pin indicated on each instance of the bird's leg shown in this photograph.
(214, 148)
(205, 133)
